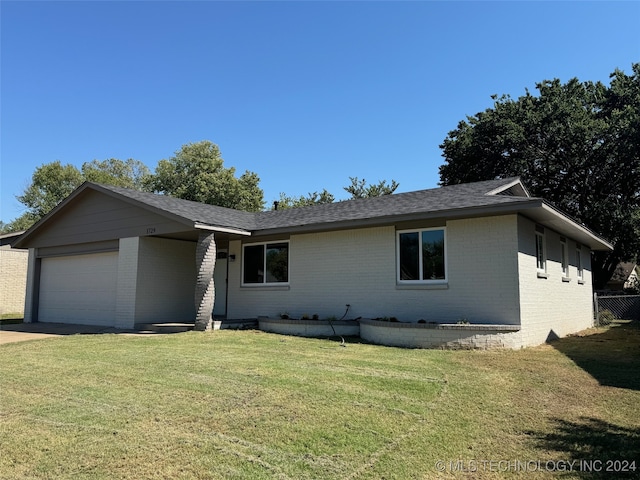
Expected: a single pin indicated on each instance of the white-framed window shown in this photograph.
(579, 261)
(265, 263)
(564, 257)
(421, 255)
(541, 251)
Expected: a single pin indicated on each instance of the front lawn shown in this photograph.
(246, 404)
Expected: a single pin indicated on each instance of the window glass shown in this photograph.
(540, 255)
(409, 256)
(579, 263)
(433, 255)
(277, 262)
(565, 258)
(254, 264)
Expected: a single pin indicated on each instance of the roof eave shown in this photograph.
(560, 222)
(221, 229)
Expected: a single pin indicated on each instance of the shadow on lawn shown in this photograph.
(598, 449)
(611, 357)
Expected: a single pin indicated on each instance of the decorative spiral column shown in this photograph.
(205, 289)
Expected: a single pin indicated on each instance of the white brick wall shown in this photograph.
(483, 270)
(13, 280)
(551, 307)
(358, 267)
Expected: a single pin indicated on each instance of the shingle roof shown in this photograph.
(195, 212)
(443, 199)
(492, 197)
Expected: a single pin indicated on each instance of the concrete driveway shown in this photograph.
(21, 332)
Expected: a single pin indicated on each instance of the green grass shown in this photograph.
(245, 404)
(11, 318)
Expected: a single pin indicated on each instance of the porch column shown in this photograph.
(205, 288)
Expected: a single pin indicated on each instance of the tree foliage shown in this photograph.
(360, 189)
(197, 173)
(315, 198)
(50, 184)
(128, 174)
(575, 144)
(357, 189)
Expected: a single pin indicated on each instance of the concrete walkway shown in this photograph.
(21, 332)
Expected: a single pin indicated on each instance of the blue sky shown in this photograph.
(305, 94)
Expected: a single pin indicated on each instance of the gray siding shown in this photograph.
(166, 281)
(97, 217)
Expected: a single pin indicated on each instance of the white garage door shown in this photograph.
(79, 289)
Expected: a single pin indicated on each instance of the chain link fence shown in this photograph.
(616, 307)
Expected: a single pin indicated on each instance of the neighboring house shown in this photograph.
(486, 253)
(13, 275)
(625, 277)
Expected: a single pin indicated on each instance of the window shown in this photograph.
(564, 257)
(579, 261)
(266, 263)
(422, 256)
(541, 254)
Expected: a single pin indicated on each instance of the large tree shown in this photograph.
(576, 144)
(50, 184)
(197, 173)
(128, 173)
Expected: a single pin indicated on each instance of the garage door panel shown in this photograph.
(79, 289)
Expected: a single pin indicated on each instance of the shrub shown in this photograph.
(605, 317)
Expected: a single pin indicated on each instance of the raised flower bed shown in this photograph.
(309, 327)
(440, 335)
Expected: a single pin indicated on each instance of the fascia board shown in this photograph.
(221, 229)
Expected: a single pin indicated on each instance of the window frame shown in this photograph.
(564, 257)
(579, 265)
(265, 247)
(422, 281)
(541, 250)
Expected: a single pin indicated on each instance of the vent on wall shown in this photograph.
(509, 192)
